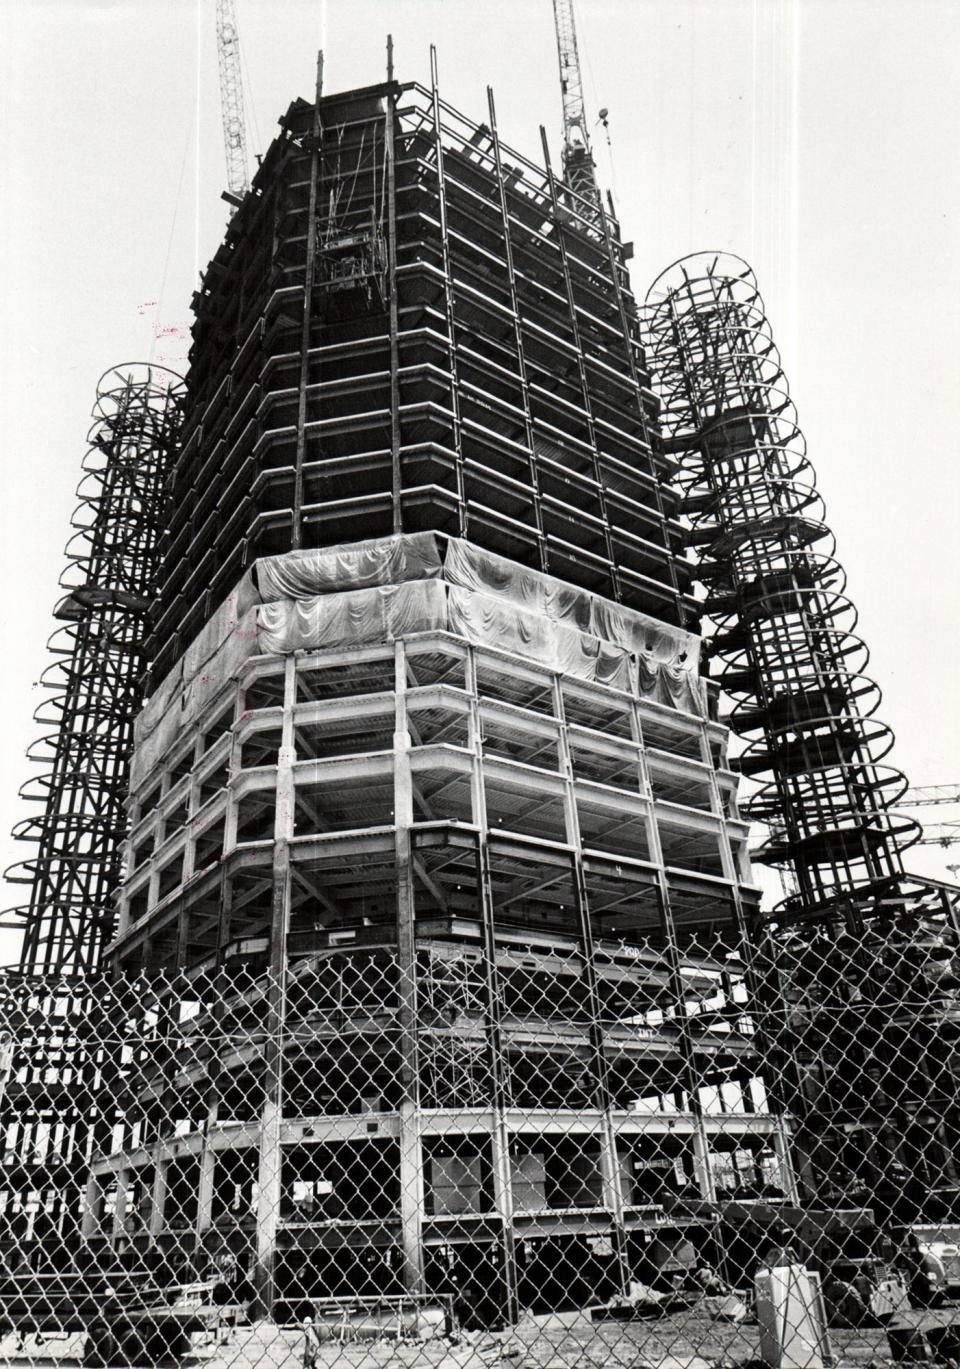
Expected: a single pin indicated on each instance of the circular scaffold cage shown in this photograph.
(95, 681)
(783, 638)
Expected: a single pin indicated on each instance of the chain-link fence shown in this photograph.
(663, 1153)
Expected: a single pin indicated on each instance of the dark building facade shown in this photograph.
(467, 362)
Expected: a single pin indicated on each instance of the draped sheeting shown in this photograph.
(666, 651)
(356, 565)
(390, 587)
(354, 616)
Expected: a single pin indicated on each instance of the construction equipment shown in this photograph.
(944, 834)
(928, 796)
(579, 170)
(231, 101)
(126, 1312)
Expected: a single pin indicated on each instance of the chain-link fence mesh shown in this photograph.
(669, 1152)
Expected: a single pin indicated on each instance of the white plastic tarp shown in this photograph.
(219, 627)
(180, 698)
(355, 565)
(389, 587)
(668, 657)
(353, 617)
(497, 621)
(206, 682)
(476, 568)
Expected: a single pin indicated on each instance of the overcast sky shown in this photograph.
(817, 138)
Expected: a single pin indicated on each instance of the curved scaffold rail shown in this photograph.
(95, 678)
(783, 629)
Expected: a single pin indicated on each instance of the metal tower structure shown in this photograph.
(858, 955)
(579, 171)
(784, 638)
(96, 677)
(929, 795)
(231, 99)
(394, 382)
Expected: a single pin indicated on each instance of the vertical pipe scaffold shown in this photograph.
(783, 628)
(96, 679)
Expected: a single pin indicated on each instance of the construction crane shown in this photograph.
(579, 170)
(927, 796)
(944, 834)
(231, 101)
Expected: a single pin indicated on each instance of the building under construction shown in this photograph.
(437, 937)
(428, 741)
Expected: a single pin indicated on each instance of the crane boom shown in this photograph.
(231, 98)
(927, 794)
(944, 834)
(578, 166)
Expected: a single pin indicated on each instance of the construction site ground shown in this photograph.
(684, 1341)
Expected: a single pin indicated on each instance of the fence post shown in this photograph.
(411, 1152)
(269, 1171)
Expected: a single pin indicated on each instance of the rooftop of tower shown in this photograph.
(409, 326)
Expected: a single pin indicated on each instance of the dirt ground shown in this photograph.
(687, 1340)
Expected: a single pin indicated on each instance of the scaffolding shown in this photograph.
(783, 629)
(96, 678)
(439, 979)
(410, 326)
(855, 954)
(426, 722)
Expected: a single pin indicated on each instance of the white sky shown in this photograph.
(817, 138)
